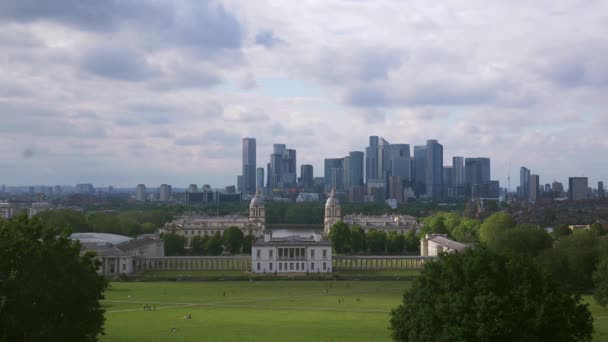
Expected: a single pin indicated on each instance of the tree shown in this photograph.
(395, 243)
(340, 237)
(494, 224)
(357, 239)
(530, 240)
(600, 280)
(233, 240)
(412, 243)
(561, 230)
(247, 242)
(174, 244)
(198, 245)
(478, 295)
(467, 231)
(214, 244)
(376, 241)
(48, 290)
(65, 218)
(597, 229)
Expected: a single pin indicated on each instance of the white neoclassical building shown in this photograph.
(435, 244)
(387, 223)
(291, 254)
(191, 226)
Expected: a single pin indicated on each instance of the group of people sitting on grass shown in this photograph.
(149, 307)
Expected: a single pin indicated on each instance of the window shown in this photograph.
(258, 266)
(312, 253)
(297, 252)
(258, 253)
(302, 252)
(280, 252)
(324, 266)
(291, 266)
(324, 253)
(280, 266)
(312, 266)
(297, 266)
(270, 254)
(124, 267)
(303, 267)
(270, 266)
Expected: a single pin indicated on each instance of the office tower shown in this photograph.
(434, 169)
(448, 179)
(249, 165)
(164, 192)
(558, 189)
(397, 161)
(282, 168)
(307, 176)
(600, 189)
(419, 170)
(396, 188)
(85, 188)
(524, 183)
(3, 189)
(355, 169)
(383, 158)
(240, 183)
(534, 194)
(290, 174)
(458, 172)
(346, 173)
(578, 188)
(193, 188)
(259, 178)
(477, 175)
(58, 190)
(334, 170)
(140, 193)
(371, 159)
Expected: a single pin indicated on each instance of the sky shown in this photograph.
(122, 92)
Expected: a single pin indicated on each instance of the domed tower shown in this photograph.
(332, 212)
(257, 213)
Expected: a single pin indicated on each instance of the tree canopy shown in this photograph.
(48, 290)
(340, 237)
(174, 244)
(495, 224)
(233, 240)
(478, 295)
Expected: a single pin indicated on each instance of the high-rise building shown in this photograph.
(193, 188)
(334, 171)
(419, 170)
(3, 189)
(346, 173)
(140, 193)
(396, 188)
(85, 188)
(259, 183)
(477, 175)
(434, 169)
(458, 172)
(558, 189)
(249, 165)
(600, 189)
(578, 188)
(58, 190)
(524, 183)
(355, 169)
(164, 192)
(371, 159)
(240, 183)
(282, 170)
(398, 160)
(307, 176)
(448, 178)
(534, 194)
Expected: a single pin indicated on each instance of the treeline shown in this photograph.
(233, 241)
(377, 242)
(129, 222)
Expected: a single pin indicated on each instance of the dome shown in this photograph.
(332, 201)
(256, 201)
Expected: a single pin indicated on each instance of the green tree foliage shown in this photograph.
(495, 224)
(467, 231)
(65, 218)
(478, 295)
(597, 229)
(561, 230)
(395, 243)
(529, 240)
(573, 259)
(357, 239)
(48, 291)
(340, 237)
(412, 243)
(247, 242)
(175, 244)
(233, 240)
(458, 228)
(198, 245)
(600, 280)
(376, 241)
(214, 244)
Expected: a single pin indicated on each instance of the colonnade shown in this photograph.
(351, 263)
(193, 264)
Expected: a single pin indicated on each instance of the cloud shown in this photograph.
(188, 140)
(267, 39)
(119, 63)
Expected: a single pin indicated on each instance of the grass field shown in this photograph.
(261, 311)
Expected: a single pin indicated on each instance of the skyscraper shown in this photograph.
(307, 176)
(458, 172)
(477, 175)
(355, 176)
(524, 183)
(419, 170)
(398, 160)
(140, 193)
(334, 170)
(259, 178)
(249, 165)
(434, 169)
(578, 188)
(371, 159)
(282, 170)
(600, 189)
(534, 194)
(164, 192)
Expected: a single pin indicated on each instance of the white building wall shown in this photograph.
(265, 259)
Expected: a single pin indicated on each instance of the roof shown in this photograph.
(136, 243)
(291, 240)
(99, 238)
(102, 249)
(447, 243)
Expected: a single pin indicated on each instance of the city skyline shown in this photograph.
(168, 103)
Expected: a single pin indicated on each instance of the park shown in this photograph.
(270, 310)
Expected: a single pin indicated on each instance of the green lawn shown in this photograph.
(261, 311)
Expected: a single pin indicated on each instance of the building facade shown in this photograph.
(578, 188)
(249, 165)
(291, 254)
(140, 193)
(434, 169)
(165, 192)
(434, 244)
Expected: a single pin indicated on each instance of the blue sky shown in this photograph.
(127, 92)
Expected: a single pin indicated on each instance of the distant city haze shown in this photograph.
(121, 93)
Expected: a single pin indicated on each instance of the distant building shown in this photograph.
(396, 189)
(332, 212)
(259, 178)
(419, 170)
(334, 173)
(85, 189)
(534, 194)
(524, 183)
(434, 169)
(600, 189)
(435, 244)
(230, 189)
(291, 254)
(193, 188)
(558, 189)
(38, 207)
(249, 165)
(140, 193)
(282, 168)
(7, 210)
(307, 176)
(355, 169)
(58, 190)
(578, 188)
(307, 197)
(165, 192)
